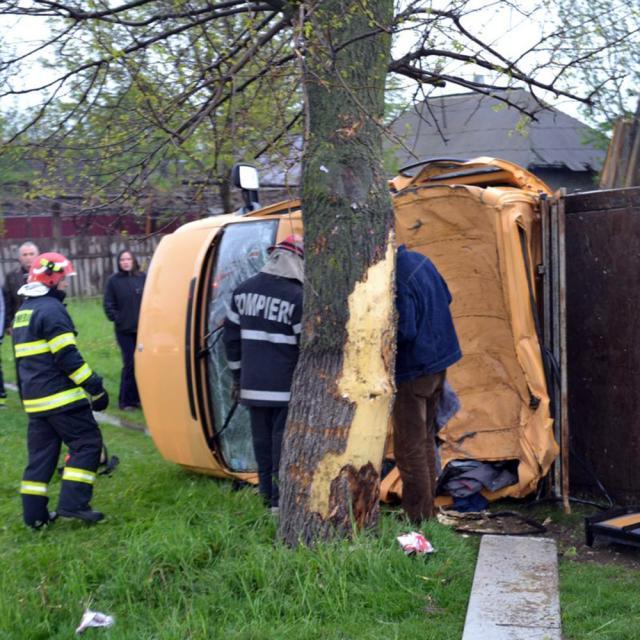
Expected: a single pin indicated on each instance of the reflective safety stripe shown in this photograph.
(233, 316)
(278, 338)
(34, 405)
(61, 341)
(22, 318)
(81, 374)
(32, 488)
(234, 365)
(297, 328)
(23, 349)
(269, 396)
(78, 475)
(3, 400)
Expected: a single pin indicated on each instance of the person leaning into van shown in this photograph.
(58, 391)
(122, 299)
(427, 345)
(261, 337)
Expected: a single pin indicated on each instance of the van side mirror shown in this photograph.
(245, 177)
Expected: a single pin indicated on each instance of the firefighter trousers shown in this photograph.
(80, 432)
(267, 429)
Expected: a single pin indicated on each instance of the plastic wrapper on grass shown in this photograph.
(94, 619)
(414, 543)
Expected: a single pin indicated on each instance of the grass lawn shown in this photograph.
(183, 556)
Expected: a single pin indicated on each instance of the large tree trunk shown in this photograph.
(343, 385)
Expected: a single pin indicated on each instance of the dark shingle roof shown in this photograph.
(469, 125)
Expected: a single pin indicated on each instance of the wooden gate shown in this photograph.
(603, 340)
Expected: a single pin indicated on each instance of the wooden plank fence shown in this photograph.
(94, 257)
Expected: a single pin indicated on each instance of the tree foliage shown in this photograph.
(606, 35)
(124, 94)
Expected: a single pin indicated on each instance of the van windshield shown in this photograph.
(242, 252)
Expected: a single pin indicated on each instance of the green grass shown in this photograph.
(182, 556)
(599, 601)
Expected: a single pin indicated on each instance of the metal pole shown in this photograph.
(562, 321)
(554, 331)
(547, 315)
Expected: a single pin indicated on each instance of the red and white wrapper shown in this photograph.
(415, 543)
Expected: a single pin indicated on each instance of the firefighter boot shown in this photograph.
(87, 515)
(34, 504)
(35, 512)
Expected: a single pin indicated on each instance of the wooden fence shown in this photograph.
(94, 258)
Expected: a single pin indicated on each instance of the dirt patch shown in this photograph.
(566, 529)
(570, 539)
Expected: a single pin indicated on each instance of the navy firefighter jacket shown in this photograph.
(52, 374)
(261, 335)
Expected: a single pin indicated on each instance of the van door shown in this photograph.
(240, 253)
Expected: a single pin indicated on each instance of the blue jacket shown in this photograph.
(427, 340)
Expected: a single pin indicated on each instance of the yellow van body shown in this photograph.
(477, 221)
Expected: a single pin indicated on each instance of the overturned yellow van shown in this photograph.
(478, 221)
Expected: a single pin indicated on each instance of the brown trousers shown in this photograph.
(414, 445)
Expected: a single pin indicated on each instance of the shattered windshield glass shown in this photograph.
(241, 254)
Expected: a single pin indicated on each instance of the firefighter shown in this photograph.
(261, 336)
(58, 391)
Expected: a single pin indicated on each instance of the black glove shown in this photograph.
(100, 401)
(93, 385)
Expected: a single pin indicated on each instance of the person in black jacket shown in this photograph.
(58, 391)
(3, 393)
(16, 279)
(122, 299)
(12, 301)
(261, 336)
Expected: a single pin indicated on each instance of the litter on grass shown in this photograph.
(415, 543)
(94, 619)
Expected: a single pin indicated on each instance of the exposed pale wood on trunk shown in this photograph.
(343, 384)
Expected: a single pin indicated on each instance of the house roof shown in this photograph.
(470, 125)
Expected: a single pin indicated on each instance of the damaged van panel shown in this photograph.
(477, 221)
(472, 235)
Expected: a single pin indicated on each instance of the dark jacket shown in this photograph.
(427, 340)
(122, 299)
(12, 282)
(52, 375)
(2, 312)
(261, 336)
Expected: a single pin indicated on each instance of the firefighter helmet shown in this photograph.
(293, 243)
(50, 268)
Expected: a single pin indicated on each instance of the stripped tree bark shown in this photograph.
(330, 467)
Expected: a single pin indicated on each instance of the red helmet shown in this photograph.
(293, 243)
(50, 268)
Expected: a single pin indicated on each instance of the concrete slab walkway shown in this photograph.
(515, 591)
